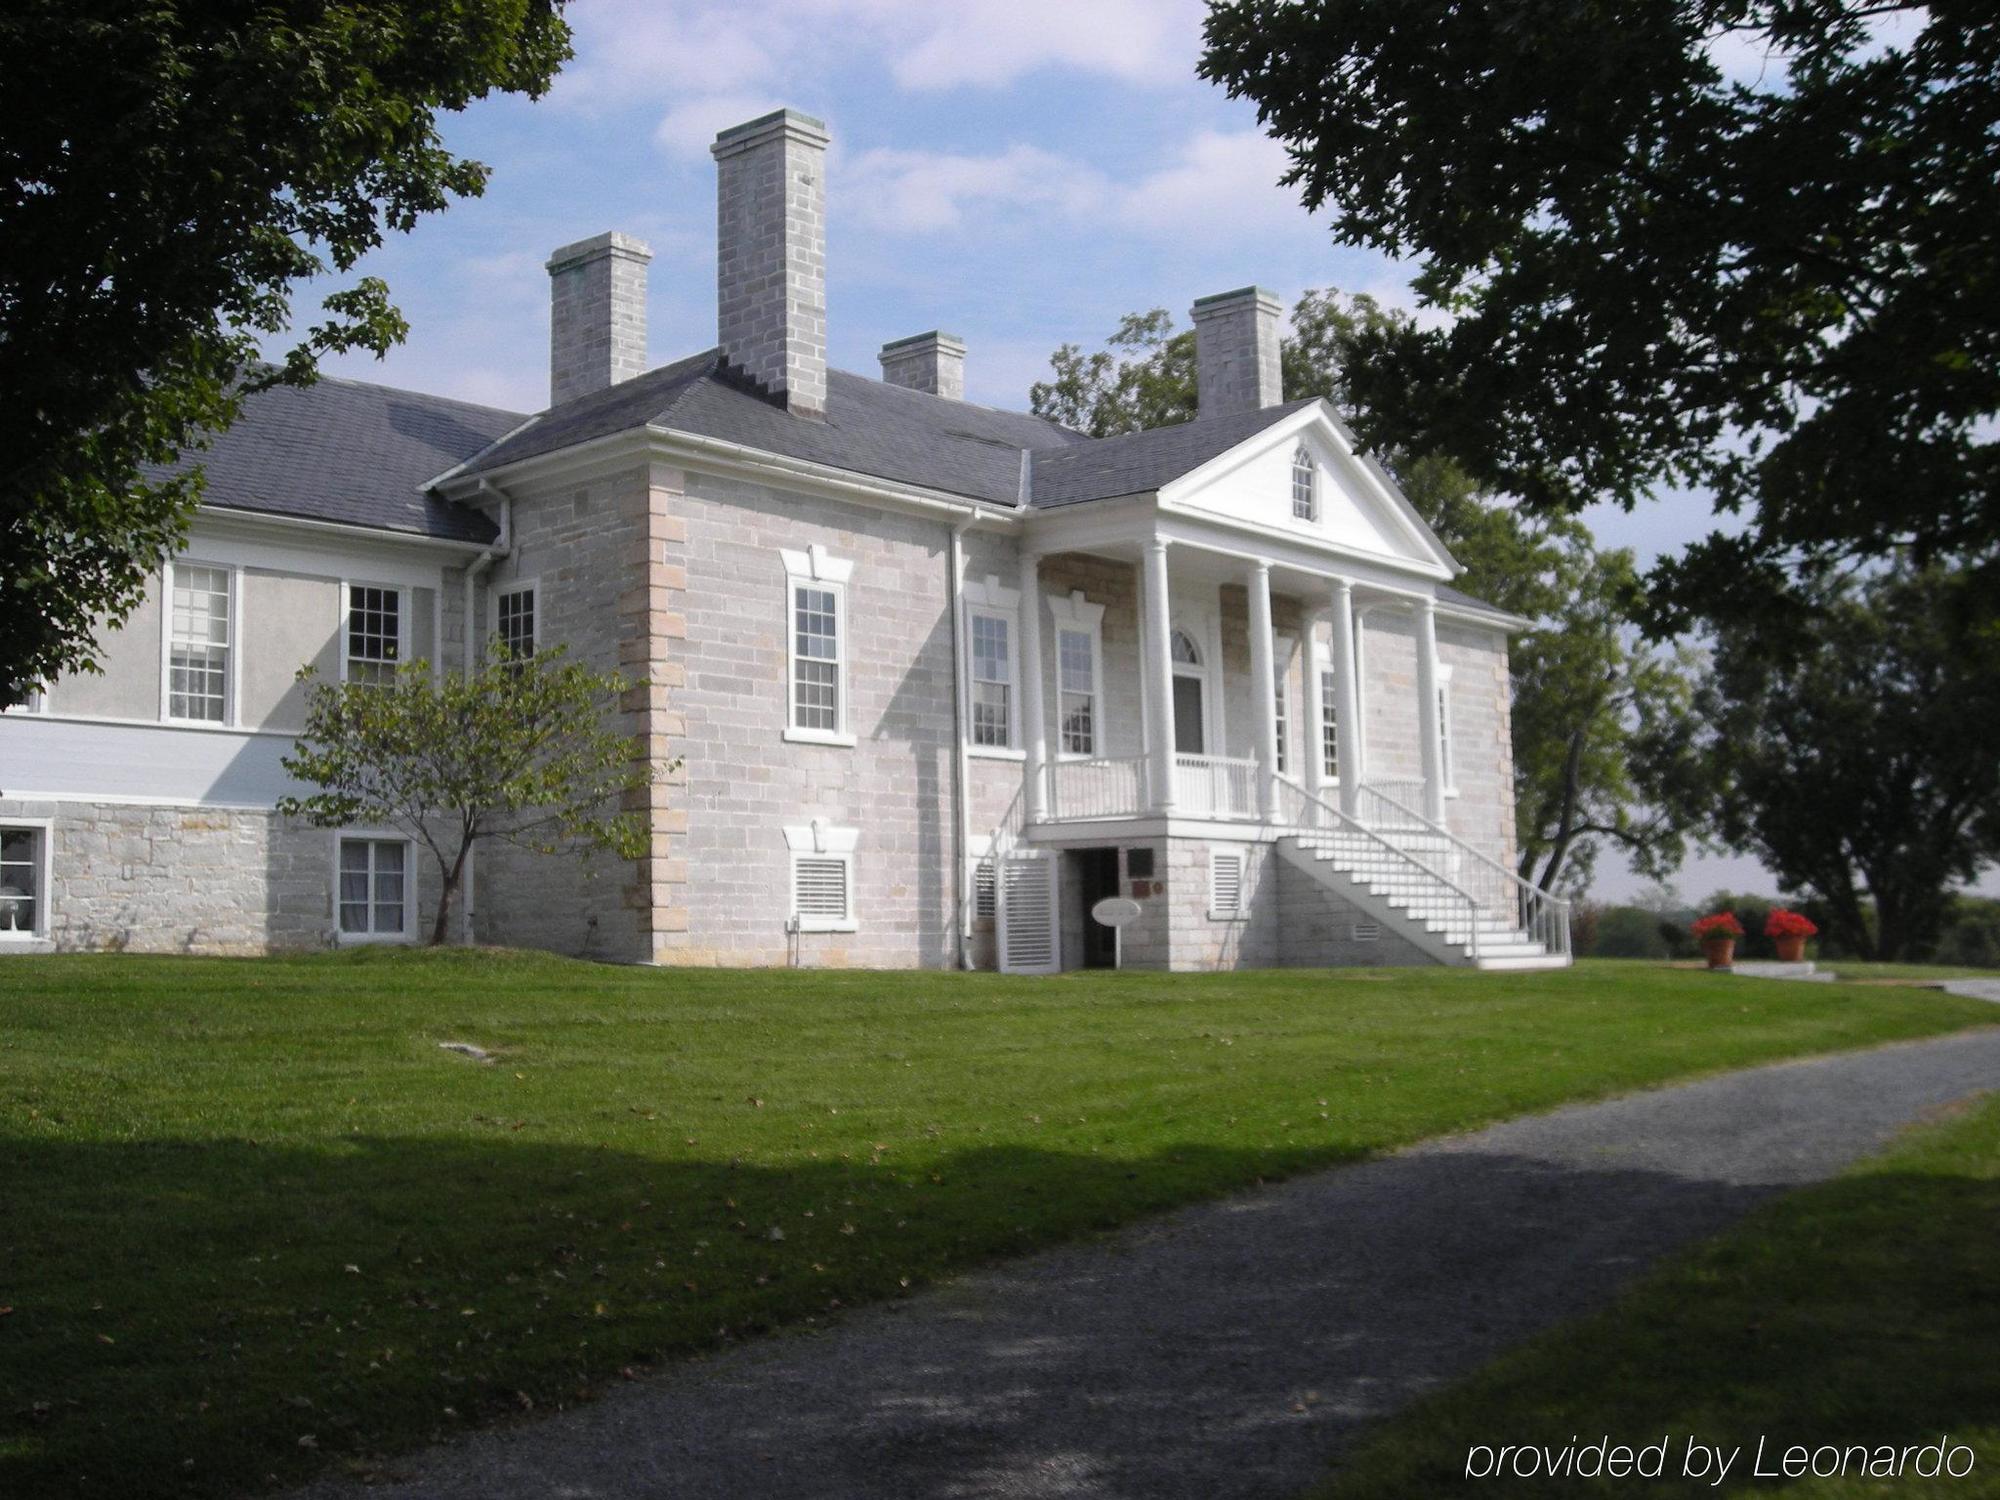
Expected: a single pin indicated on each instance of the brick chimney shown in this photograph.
(1236, 357)
(770, 256)
(597, 314)
(932, 362)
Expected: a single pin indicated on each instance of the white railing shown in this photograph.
(1006, 834)
(1392, 794)
(1365, 852)
(1101, 787)
(1215, 786)
(1497, 889)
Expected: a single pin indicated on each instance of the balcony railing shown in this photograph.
(1097, 788)
(1215, 786)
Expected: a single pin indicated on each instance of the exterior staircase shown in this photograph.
(1444, 897)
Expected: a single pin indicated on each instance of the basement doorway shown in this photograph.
(1094, 875)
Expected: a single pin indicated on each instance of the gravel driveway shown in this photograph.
(1230, 1349)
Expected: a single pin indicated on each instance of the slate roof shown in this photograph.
(871, 428)
(353, 453)
(1136, 461)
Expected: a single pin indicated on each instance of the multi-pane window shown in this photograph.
(374, 633)
(1305, 484)
(1329, 727)
(374, 887)
(1284, 713)
(20, 881)
(992, 680)
(822, 894)
(198, 647)
(815, 657)
(1444, 733)
(1076, 665)
(514, 621)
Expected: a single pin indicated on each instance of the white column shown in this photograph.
(1034, 726)
(1159, 672)
(1315, 764)
(1263, 672)
(1346, 698)
(1429, 730)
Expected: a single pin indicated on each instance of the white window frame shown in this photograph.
(1447, 737)
(1305, 461)
(1327, 742)
(1076, 614)
(233, 629)
(37, 702)
(1010, 623)
(1282, 649)
(820, 840)
(1217, 910)
(989, 596)
(377, 836)
(405, 597)
(44, 831)
(814, 567)
(532, 587)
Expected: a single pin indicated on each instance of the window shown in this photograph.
(514, 620)
(32, 702)
(198, 644)
(1281, 662)
(816, 606)
(1225, 886)
(22, 875)
(1076, 657)
(1305, 484)
(992, 680)
(1329, 728)
(374, 889)
(374, 633)
(1445, 753)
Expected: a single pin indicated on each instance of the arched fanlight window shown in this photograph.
(1185, 654)
(1305, 484)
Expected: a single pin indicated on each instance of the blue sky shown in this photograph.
(1020, 172)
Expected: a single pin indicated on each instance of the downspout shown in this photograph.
(961, 773)
(502, 546)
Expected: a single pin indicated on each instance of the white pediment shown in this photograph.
(1358, 509)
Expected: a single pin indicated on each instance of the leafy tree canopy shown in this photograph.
(517, 753)
(170, 170)
(1785, 290)
(1600, 738)
(1861, 758)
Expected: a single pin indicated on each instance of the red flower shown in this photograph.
(1782, 923)
(1722, 924)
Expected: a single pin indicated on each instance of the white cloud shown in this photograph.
(991, 42)
(690, 128)
(927, 191)
(1224, 182)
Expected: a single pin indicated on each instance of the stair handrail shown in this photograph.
(1541, 915)
(1001, 840)
(1354, 825)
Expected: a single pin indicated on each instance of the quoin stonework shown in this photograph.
(927, 681)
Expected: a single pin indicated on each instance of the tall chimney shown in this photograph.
(1237, 364)
(597, 314)
(931, 362)
(770, 256)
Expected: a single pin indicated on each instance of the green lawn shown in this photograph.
(1862, 1312)
(253, 1220)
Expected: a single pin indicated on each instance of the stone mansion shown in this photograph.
(937, 684)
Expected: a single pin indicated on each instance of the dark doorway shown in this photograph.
(1096, 878)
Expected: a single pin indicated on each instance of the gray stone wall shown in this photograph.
(770, 260)
(1238, 365)
(1318, 929)
(597, 314)
(191, 880)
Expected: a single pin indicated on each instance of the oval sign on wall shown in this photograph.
(1115, 911)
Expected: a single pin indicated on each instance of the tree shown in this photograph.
(1599, 721)
(1861, 758)
(516, 754)
(170, 171)
(1785, 290)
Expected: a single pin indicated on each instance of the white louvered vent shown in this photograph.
(819, 888)
(984, 892)
(1367, 932)
(1225, 885)
(1028, 942)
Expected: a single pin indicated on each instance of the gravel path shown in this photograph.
(1973, 989)
(1233, 1348)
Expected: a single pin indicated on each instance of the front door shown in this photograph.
(1189, 720)
(1097, 877)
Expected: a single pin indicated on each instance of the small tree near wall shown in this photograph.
(516, 754)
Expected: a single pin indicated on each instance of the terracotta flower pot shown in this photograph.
(1791, 948)
(1721, 951)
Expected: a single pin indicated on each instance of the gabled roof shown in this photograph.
(871, 428)
(350, 453)
(1098, 469)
